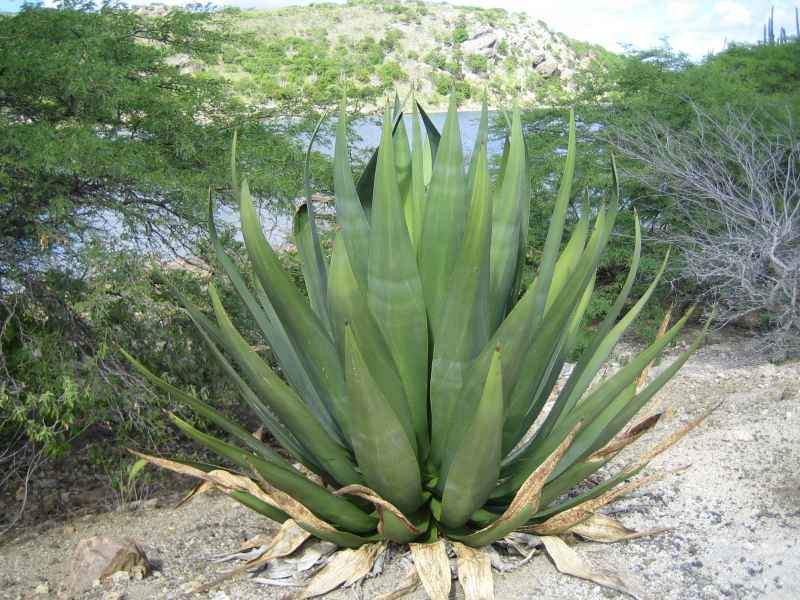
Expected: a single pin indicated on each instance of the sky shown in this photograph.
(692, 26)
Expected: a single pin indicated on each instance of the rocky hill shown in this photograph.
(372, 46)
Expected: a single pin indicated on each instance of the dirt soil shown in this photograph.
(734, 514)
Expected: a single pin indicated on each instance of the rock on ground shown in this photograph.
(101, 557)
(734, 514)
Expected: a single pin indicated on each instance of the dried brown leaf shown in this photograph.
(409, 583)
(309, 474)
(346, 567)
(673, 438)
(257, 541)
(224, 481)
(569, 562)
(474, 572)
(288, 539)
(433, 568)
(626, 438)
(202, 488)
(293, 508)
(602, 528)
(564, 521)
(380, 504)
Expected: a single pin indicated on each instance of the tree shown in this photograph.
(108, 145)
(99, 129)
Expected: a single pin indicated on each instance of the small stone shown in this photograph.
(740, 435)
(120, 577)
(114, 596)
(42, 589)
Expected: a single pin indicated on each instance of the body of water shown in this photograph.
(369, 130)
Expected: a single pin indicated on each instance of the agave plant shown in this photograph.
(417, 395)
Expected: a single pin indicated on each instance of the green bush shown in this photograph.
(460, 33)
(477, 63)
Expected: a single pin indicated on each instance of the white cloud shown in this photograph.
(681, 9)
(733, 13)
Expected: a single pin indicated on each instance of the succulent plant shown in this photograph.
(418, 397)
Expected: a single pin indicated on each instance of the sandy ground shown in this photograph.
(734, 514)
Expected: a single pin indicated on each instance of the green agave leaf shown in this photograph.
(349, 213)
(518, 330)
(475, 466)
(515, 335)
(600, 348)
(433, 136)
(465, 319)
(334, 509)
(366, 183)
(248, 500)
(524, 226)
(383, 451)
(264, 315)
(525, 503)
(285, 402)
(553, 367)
(567, 480)
(568, 261)
(414, 207)
(304, 328)
(555, 231)
(506, 225)
(348, 303)
(259, 506)
(234, 165)
(214, 338)
(481, 139)
(204, 410)
(402, 163)
(501, 173)
(342, 539)
(394, 291)
(445, 216)
(307, 241)
(315, 272)
(590, 410)
(547, 383)
(581, 470)
(541, 356)
(617, 387)
(619, 413)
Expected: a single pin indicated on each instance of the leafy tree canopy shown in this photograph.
(104, 129)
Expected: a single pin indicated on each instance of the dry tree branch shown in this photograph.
(734, 185)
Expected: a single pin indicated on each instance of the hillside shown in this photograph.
(304, 54)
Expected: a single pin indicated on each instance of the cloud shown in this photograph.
(733, 13)
(681, 9)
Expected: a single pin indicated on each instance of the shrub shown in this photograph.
(477, 63)
(733, 185)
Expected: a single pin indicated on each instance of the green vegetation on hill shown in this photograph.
(306, 55)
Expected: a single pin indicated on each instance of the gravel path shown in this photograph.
(734, 514)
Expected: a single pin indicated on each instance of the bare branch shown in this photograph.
(734, 185)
